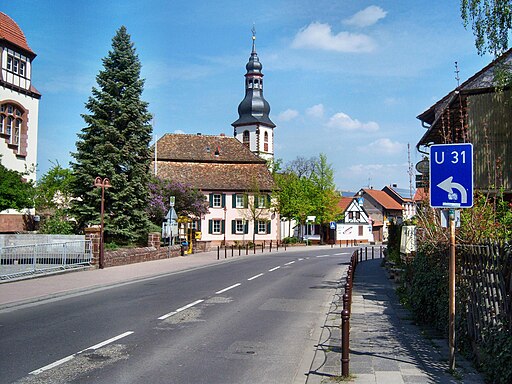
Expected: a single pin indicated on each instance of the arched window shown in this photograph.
(13, 126)
(265, 142)
(246, 139)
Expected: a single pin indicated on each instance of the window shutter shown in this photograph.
(223, 200)
(210, 198)
(199, 224)
(223, 226)
(246, 227)
(268, 201)
(269, 227)
(246, 201)
(233, 226)
(233, 197)
(210, 226)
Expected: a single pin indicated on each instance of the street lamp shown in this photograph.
(102, 183)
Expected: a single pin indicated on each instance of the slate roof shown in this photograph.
(214, 163)
(383, 199)
(11, 32)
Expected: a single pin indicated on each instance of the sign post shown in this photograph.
(451, 187)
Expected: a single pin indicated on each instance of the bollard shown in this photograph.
(345, 329)
(218, 253)
(254, 248)
(232, 246)
(381, 251)
(246, 249)
(366, 253)
(239, 249)
(225, 252)
(263, 246)
(270, 249)
(373, 249)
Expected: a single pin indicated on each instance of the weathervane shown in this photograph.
(253, 30)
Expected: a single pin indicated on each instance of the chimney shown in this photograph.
(198, 134)
(222, 134)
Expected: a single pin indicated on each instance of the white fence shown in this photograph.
(21, 261)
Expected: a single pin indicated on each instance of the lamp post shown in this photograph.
(102, 183)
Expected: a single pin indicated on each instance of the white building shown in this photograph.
(19, 109)
(356, 225)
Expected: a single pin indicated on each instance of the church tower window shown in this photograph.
(246, 139)
(265, 142)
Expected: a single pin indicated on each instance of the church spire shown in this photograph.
(253, 109)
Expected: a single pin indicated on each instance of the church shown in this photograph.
(19, 108)
(231, 171)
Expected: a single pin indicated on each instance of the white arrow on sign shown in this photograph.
(448, 185)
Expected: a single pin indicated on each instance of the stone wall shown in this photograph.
(139, 255)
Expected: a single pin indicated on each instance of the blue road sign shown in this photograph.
(451, 175)
(332, 225)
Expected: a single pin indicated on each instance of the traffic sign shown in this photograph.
(332, 225)
(451, 175)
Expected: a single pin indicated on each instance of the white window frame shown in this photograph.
(262, 201)
(217, 201)
(262, 224)
(239, 226)
(217, 227)
(239, 201)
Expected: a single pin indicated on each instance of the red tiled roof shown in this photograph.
(420, 195)
(344, 202)
(383, 199)
(212, 163)
(11, 32)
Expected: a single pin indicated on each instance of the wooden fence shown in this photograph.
(485, 287)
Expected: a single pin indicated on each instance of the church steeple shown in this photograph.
(254, 127)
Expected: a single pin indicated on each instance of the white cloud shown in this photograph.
(344, 122)
(288, 115)
(319, 36)
(383, 146)
(368, 16)
(179, 132)
(316, 111)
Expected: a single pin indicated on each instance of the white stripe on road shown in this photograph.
(300, 259)
(71, 357)
(228, 288)
(255, 277)
(342, 253)
(273, 269)
(163, 317)
(323, 256)
(290, 263)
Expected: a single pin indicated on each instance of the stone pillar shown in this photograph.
(93, 234)
(154, 240)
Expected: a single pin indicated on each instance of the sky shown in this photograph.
(345, 78)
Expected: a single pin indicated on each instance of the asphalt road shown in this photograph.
(254, 320)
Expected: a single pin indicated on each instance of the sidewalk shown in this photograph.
(385, 345)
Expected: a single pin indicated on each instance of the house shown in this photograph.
(355, 224)
(19, 109)
(407, 203)
(382, 209)
(236, 182)
(477, 112)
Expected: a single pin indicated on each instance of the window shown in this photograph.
(2, 118)
(8, 130)
(262, 226)
(351, 215)
(22, 68)
(16, 65)
(360, 230)
(9, 63)
(246, 139)
(17, 129)
(239, 226)
(217, 200)
(358, 215)
(217, 227)
(239, 201)
(261, 201)
(265, 142)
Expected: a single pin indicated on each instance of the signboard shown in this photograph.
(332, 225)
(451, 176)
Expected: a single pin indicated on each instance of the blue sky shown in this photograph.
(343, 78)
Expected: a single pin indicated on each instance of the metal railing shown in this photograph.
(21, 261)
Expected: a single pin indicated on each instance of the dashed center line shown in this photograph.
(290, 263)
(323, 256)
(273, 269)
(71, 357)
(228, 288)
(163, 317)
(255, 277)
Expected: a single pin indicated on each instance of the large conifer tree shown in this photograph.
(115, 144)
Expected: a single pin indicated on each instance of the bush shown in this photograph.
(290, 240)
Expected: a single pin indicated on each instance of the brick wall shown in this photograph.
(11, 223)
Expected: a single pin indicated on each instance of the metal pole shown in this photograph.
(345, 329)
(102, 257)
(452, 290)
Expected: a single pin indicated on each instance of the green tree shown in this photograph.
(115, 144)
(491, 22)
(15, 191)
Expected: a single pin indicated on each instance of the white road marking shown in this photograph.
(71, 357)
(342, 253)
(300, 259)
(290, 263)
(323, 256)
(163, 317)
(228, 288)
(255, 277)
(273, 269)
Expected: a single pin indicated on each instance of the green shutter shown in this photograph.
(210, 198)
(269, 227)
(246, 201)
(199, 224)
(233, 198)
(246, 227)
(223, 200)
(268, 201)
(233, 226)
(223, 226)
(210, 226)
